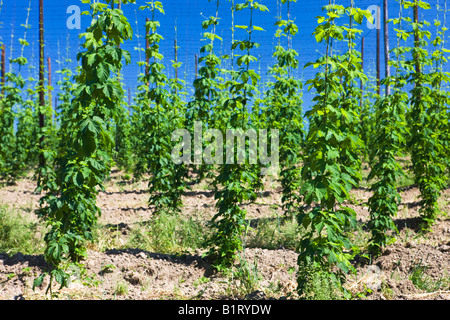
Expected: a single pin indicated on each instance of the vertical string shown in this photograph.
(400, 16)
(289, 35)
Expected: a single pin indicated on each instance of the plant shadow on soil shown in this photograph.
(186, 259)
(19, 258)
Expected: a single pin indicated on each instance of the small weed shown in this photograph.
(170, 234)
(273, 233)
(91, 282)
(201, 281)
(108, 268)
(18, 233)
(10, 276)
(318, 283)
(26, 271)
(247, 276)
(422, 280)
(405, 181)
(386, 291)
(291, 270)
(275, 288)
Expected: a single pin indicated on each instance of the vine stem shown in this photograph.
(244, 105)
(326, 73)
(289, 35)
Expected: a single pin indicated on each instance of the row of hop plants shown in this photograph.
(18, 150)
(318, 166)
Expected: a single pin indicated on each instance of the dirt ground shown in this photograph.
(152, 275)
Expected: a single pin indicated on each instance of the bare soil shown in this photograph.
(138, 274)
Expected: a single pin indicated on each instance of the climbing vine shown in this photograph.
(284, 112)
(331, 155)
(237, 180)
(81, 170)
(427, 118)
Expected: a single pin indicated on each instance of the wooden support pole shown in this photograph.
(378, 53)
(49, 66)
(56, 110)
(3, 75)
(119, 6)
(362, 67)
(176, 59)
(386, 46)
(416, 40)
(196, 66)
(129, 101)
(147, 46)
(41, 82)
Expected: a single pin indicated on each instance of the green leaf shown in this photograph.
(102, 72)
(258, 28)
